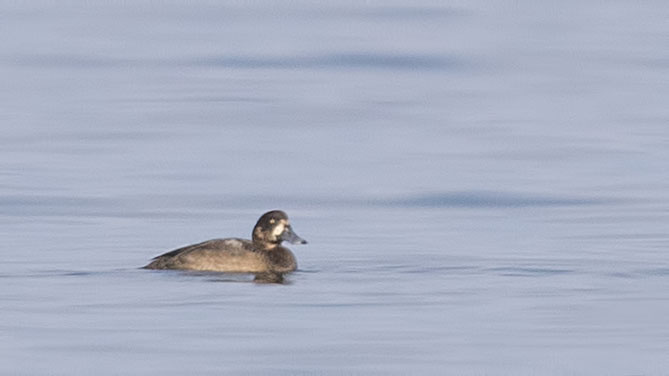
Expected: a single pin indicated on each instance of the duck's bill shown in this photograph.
(291, 237)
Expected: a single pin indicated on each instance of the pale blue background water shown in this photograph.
(484, 186)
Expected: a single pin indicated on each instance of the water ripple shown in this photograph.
(338, 61)
(517, 271)
(343, 60)
(483, 199)
(198, 205)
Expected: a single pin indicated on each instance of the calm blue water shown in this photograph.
(484, 186)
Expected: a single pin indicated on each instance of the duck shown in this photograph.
(262, 254)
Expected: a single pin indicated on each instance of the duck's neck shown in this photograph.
(264, 245)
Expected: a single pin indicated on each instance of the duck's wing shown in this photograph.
(209, 244)
(230, 244)
(217, 254)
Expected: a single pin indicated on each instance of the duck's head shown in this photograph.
(273, 228)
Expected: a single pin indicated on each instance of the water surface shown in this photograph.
(483, 186)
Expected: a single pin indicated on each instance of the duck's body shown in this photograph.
(227, 255)
(263, 253)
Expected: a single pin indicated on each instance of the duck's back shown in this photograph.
(225, 255)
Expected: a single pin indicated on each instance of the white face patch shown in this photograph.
(278, 230)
